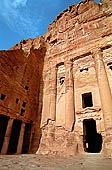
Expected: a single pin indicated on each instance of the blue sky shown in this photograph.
(22, 19)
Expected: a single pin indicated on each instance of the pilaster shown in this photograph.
(21, 137)
(69, 96)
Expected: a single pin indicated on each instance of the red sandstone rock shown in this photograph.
(60, 84)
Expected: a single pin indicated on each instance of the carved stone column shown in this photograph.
(69, 96)
(104, 88)
(21, 137)
(53, 93)
(7, 137)
(46, 98)
(106, 100)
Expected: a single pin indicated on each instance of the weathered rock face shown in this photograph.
(20, 86)
(65, 79)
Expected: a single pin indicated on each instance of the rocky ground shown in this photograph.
(39, 162)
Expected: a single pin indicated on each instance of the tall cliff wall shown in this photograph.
(62, 69)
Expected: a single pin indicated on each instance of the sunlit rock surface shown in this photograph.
(56, 89)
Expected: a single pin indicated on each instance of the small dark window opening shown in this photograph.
(22, 112)
(108, 64)
(26, 87)
(2, 96)
(110, 67)
(81, 70)
(87, 100)
(17, 101)
(24, 41)
(62, 79)
(48, 38)
(24, 104)
(54, 41)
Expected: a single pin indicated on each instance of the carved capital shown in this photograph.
(96, 50)
(68, 64)
(97, 53)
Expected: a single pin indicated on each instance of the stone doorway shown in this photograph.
(92, 140)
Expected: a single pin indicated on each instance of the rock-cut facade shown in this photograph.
(56, 89)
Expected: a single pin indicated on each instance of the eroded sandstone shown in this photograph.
(57, 87)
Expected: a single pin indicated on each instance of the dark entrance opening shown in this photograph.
(3, 127)
(14, 137)
(26, 141)
(91, 139)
